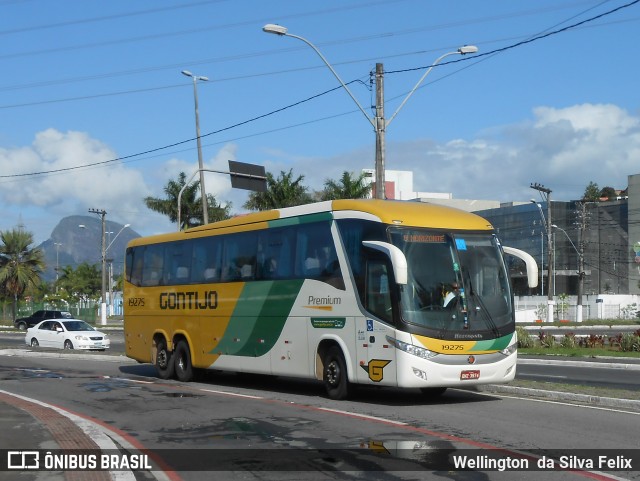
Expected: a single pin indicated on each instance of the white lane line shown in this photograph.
(227, 393)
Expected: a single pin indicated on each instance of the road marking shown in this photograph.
(227, 393)
(585, 406)
(362, 416)
(104, 436)
(542, 375)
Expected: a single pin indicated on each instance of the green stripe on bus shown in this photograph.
(493, 344)
(255, 324)
(304, 219)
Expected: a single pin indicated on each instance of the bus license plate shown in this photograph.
(466, 375)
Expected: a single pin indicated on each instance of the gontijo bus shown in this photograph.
(373, 292)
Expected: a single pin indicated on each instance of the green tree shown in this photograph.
(281, 192)
(20, 264)
(608, 193)
(349, 187)
(80, 284)
(591, 193)
(190, 204)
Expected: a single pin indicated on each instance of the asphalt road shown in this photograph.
(603, 373)
(238, 427)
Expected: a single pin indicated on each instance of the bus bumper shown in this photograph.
(454, 370)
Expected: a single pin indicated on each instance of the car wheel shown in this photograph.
(68, 344)
(335, 374)
(164, 361)
(182, 362)
(22, 326)
(34, 342)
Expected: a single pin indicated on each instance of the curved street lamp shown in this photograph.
(104, 249)
(378, 122)
(205, 208)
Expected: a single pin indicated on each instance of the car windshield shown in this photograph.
(77, 326)
(456, 283)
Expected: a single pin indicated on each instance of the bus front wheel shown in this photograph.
(164, 362)
(335, 374)
(182, 362)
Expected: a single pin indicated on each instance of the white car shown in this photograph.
(66, 334)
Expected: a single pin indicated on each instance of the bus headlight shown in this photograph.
(411, 349)
(510, 349)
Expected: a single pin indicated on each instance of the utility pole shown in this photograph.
(550, 286)
(581, 273)
(103, 307)
(380, 128)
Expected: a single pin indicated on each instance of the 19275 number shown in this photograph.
(136, 301)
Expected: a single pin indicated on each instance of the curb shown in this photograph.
(599, 401)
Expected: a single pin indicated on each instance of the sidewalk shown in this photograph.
(34, 427)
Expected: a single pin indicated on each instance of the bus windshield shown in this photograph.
(457, 283)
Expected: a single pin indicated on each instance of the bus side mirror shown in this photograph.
(530, 262)
(398, 260)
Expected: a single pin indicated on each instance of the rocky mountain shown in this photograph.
(78, 238)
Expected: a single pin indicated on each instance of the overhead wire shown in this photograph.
(258, 117)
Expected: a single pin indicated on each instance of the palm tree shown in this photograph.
(20, 265)
(281, 192)
(348, 187)
(190, 204)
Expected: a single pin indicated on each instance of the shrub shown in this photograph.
(592, 341)
(569, 340)
(630, 311)
(541, 312)
(630, 342)
(546, 340)
(524, 338)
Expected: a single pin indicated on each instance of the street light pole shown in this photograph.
(580, 274)
(542, 232)
(205, 208)
(57, 244)
(378, 122)
(380, 128)
(111, 267)
(550, 285)
(103, 305)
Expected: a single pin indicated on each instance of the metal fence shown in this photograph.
(534, 308)
(86, 311)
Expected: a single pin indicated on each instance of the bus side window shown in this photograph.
(181, 258)
(153, 265)
(378, 293)
(206, 259)
(316, 254)
(240, 253)
(133, 265)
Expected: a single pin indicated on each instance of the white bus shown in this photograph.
(371, 292)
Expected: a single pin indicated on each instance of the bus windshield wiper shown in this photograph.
(486, 316)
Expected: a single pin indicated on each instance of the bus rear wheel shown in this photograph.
(164, 361)
(182, 362)
(335, 374)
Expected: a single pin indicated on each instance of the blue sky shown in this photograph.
(85, 83)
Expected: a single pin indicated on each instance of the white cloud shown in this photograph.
(563, 149)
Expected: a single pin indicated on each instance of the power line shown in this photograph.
(119, 159)
(253, 119)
